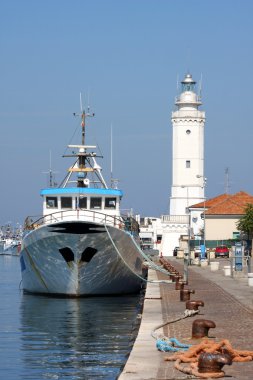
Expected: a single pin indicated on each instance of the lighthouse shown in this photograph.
(187, 150)
(188, 181)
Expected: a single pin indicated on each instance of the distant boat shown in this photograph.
(10, 240)
(10, 247)
(82, 245)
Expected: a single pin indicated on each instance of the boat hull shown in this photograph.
(80, 259)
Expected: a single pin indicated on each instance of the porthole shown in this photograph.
(188, 131)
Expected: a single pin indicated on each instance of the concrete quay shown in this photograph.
(227, 301)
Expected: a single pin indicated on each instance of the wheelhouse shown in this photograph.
(104, 201)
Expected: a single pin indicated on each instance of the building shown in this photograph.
(188, 181)
(221, 215)
(150, 233)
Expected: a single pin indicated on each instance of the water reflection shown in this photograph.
(85, 338)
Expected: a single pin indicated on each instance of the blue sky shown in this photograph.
(127, 56)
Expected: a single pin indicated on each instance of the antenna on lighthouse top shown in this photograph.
(200, 87)
(177, 83)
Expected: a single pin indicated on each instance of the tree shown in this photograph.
(245, 223)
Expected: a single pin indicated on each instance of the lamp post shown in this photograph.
(204, 213)
(187, 254)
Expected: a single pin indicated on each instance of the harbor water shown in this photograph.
(59, 338)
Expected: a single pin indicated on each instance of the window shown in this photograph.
(96, 202)
(110, 202)
(51, 202)
(188, 131)
(66, 202)
(83, 202)
(187, 164)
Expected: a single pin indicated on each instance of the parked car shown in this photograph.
(197, 251)
(175, 251)
(221, 251)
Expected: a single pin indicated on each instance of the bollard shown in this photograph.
(193, 305)
(185, 294)
(179, 284)
(173, 276)
(200, 328)
(212, 362)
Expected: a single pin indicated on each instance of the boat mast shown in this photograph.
(80, 166)
(83, 119)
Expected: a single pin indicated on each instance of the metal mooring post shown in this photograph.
(208, 257)
(186, 255)
(231, 266)
(249, 263)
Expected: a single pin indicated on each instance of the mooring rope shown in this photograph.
(166, 344)
(128, 266)
(192, 356)
(187, 313)
(147, 258)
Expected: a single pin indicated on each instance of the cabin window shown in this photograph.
(66, 202)
(110, 202)
(187, 164)
(96, 202)
(51, 202)
(83, 202)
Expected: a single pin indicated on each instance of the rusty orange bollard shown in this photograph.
(200, 328)
(179, 284)
(193, 304)
(185, 294)
(213, 362)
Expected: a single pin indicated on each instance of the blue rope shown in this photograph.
(171, 344)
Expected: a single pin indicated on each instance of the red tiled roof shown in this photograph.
(226, 204)
(211, 202)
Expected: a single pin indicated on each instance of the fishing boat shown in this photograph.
(10, 246)
(82, 245)
(10, 240)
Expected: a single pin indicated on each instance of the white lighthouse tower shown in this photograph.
(188, 181)
(188, 150)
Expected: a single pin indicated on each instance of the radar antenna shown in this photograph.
(83, 116)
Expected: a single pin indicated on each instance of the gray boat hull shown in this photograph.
(80, 259)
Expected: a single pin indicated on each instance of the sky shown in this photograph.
(124, 56)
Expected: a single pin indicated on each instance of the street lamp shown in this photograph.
(204, 213)
(187, 254)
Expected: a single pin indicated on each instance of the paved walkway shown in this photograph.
(228, 302)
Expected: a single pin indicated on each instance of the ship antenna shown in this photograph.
(83, 120)
(111, 155)
(88, 102)
(114, 181)
(83, 117)
(51, 172)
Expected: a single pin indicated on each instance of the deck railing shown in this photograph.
(127, 223)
